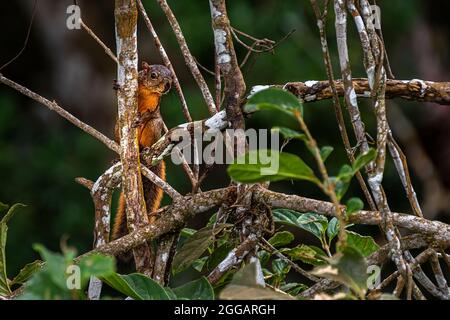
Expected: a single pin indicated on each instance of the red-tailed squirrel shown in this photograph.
(154, 81)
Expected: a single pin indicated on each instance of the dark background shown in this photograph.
(41, 153)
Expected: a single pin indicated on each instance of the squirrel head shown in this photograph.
(155, 77)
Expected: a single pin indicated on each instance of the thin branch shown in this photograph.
(189, 59)
(100, 42)
(52, 105)
(166, 60)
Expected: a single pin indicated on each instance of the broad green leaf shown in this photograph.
(364, 159)
(55, 265)
(51, 281)
(314, 223)
(199, 263)
(171, 294)
(280, 267)
(325, 152)
(5, 289)
(294, 288)
(347, 267)
(26, 272)
(263, 257)
(136, 286)
(311, 222)
(281, 238)
(97, 265)
(289, 133)
(332, 229)
(270, 165)
(244, 286)
(307, 254)
(354, 205)
(345, 173)
(195, 246)
(273, 99)
(219, 254)
(187, 232)
(364, 244)
(195, 290)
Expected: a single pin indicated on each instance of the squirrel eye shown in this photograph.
(153, 75)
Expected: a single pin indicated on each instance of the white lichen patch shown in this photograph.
(217, 121)
(214, 12)
(353, 98)
(371, 76)
(310, 83)
(256, 89)
(220, 40)
(310, 97)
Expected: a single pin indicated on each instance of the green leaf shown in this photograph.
(311, 222)
(270, 165)
(27, 272)
(187, 232)
(354, 205)
(50, 282)
(199, 263)
(364, 159)
(97, 265)
(347, 267)
(219, 254)
(281, 238)
(325, 152)
(5, 289)
(244, 286)
(307, 254)
(345, 173)
(136, 286)
(289, 133)
(364, 244)
(195, 246)
(333, 229)
(280, 267)
(273, 99)
(263, 257)
(294, 288)
(195, 290)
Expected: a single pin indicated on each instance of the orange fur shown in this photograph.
(148, 133)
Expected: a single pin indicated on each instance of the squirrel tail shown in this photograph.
(152, 195)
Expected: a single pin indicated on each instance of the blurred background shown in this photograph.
(41, 153)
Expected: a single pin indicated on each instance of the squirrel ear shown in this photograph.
(145, 65)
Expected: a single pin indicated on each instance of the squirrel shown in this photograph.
(154, 81)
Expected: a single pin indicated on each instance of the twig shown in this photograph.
(295, 266)
(321, 23)
(52, 105)
(189, 59)
(166, 60)
(100, 42)
(233, 258)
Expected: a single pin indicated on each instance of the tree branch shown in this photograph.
(415, 90)
(127, 78)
